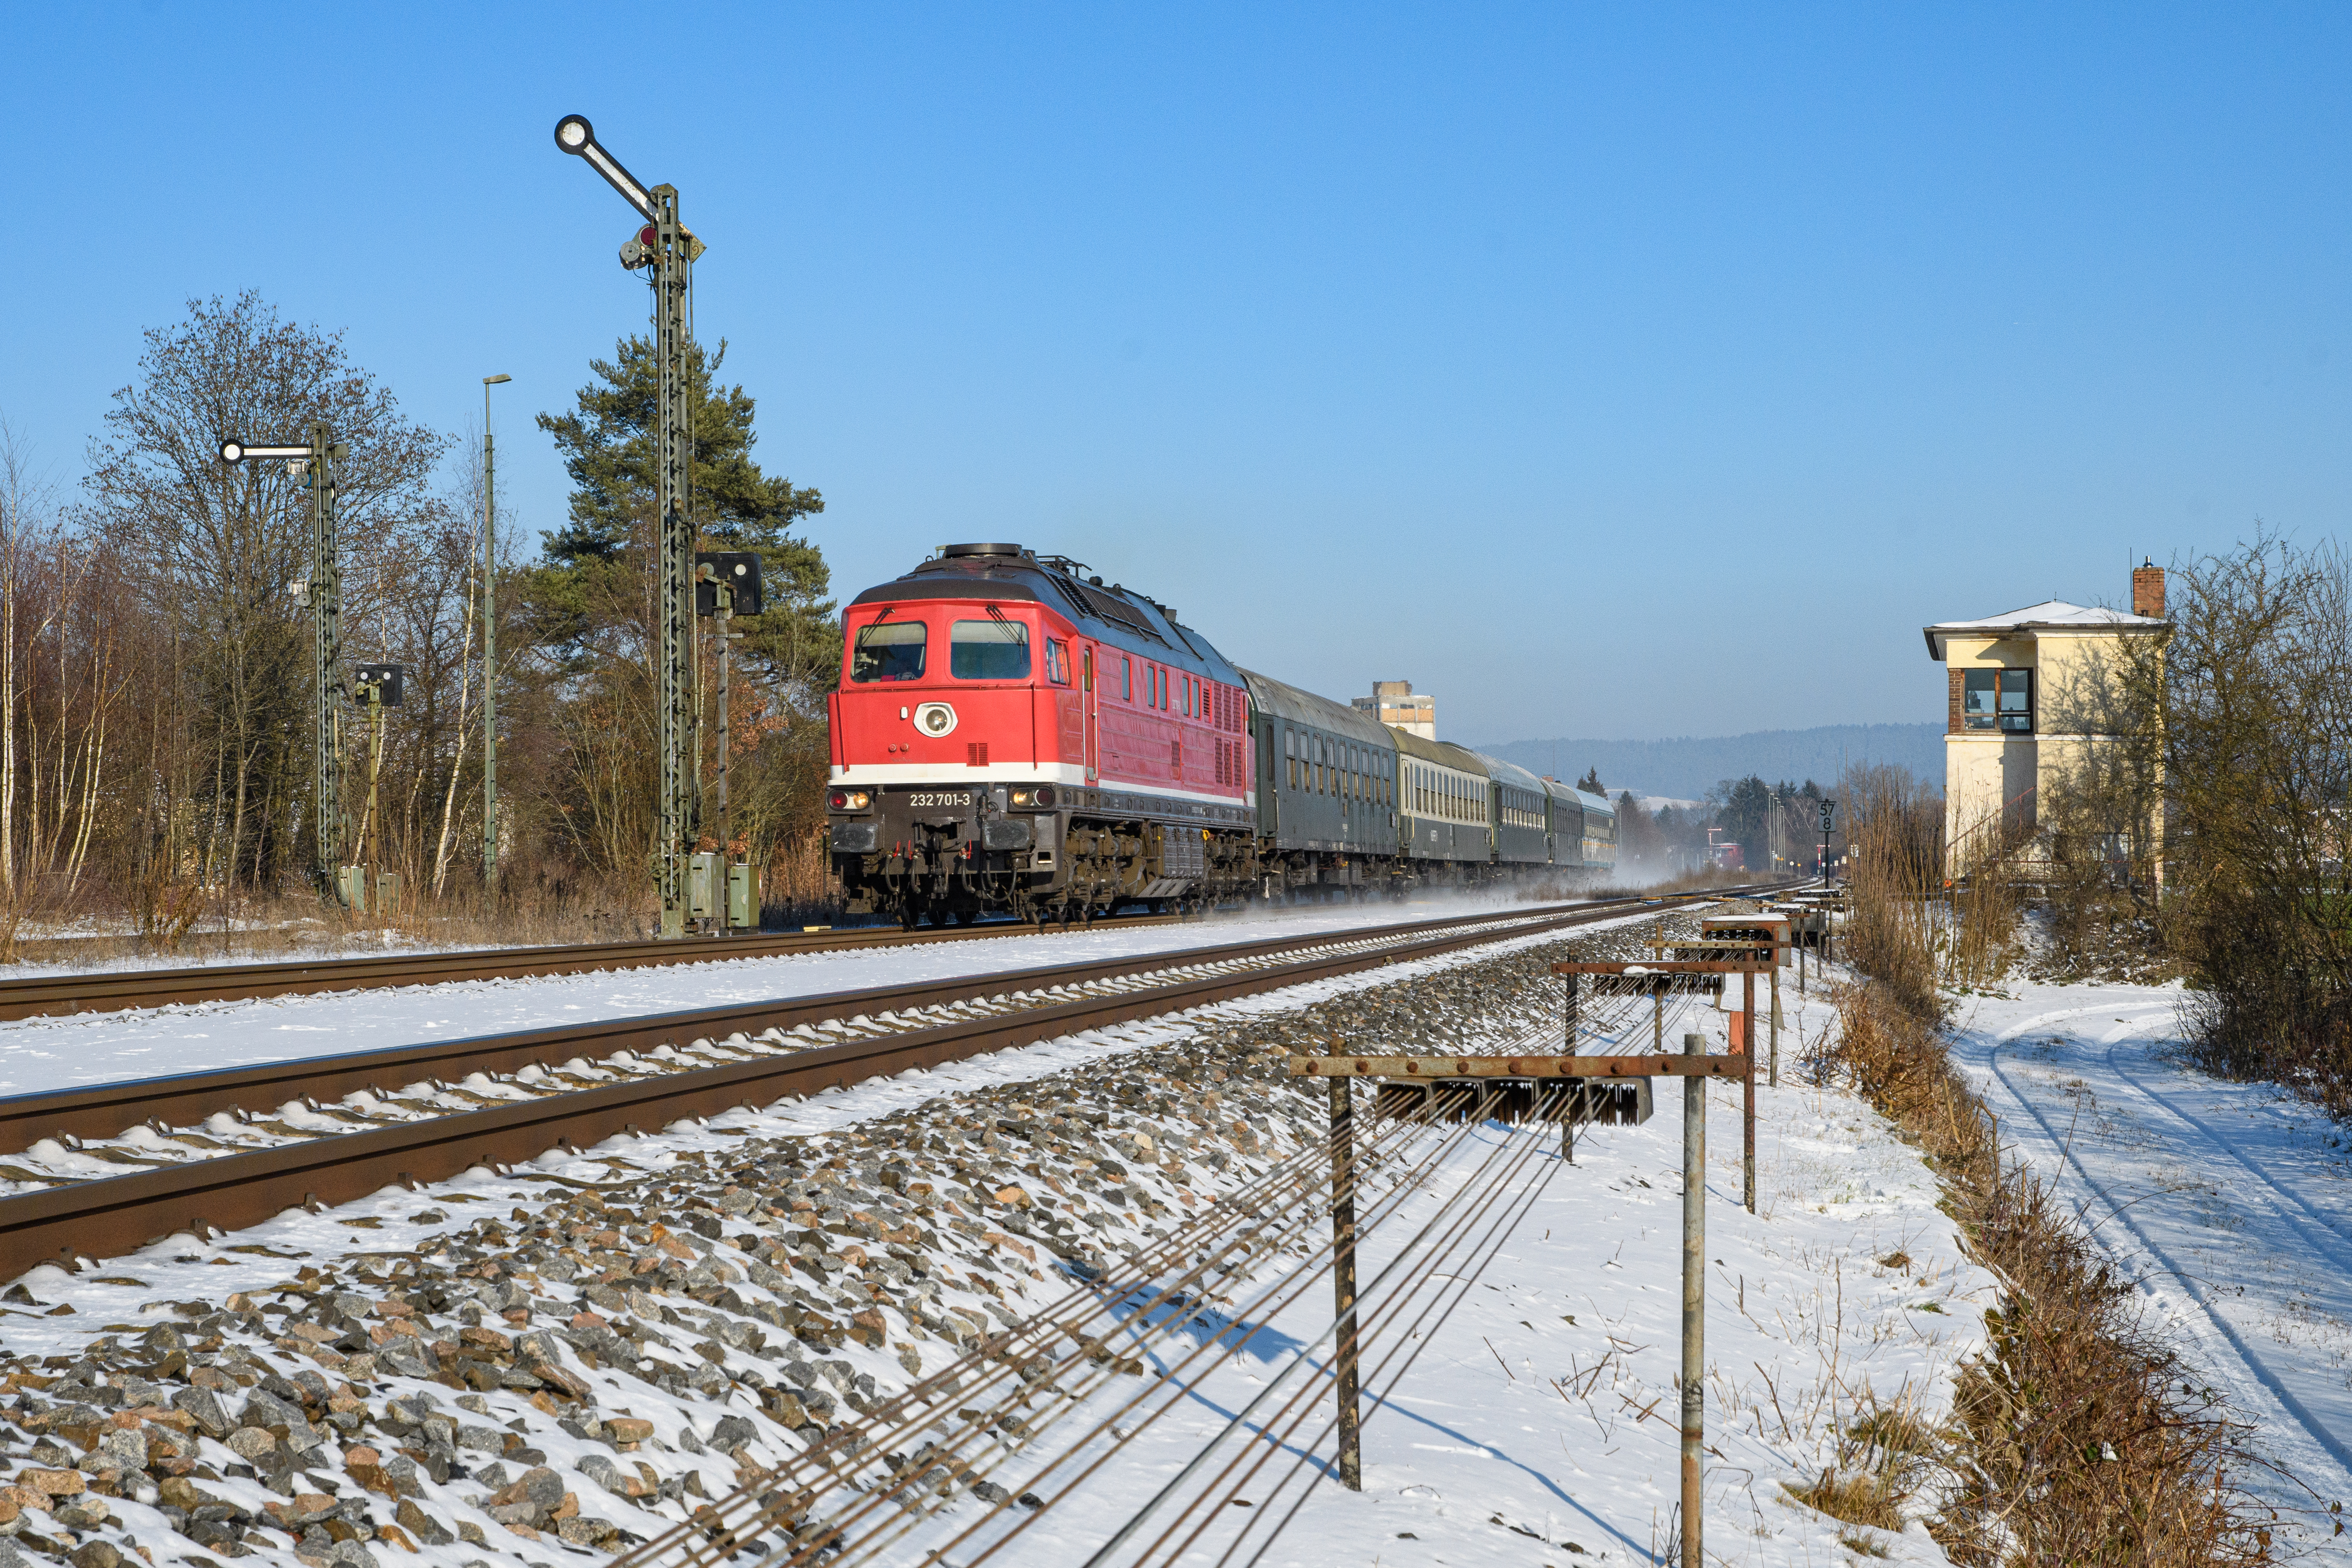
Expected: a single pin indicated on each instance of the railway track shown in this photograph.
(193, 1154)
(117, 990)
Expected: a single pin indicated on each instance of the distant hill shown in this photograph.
(1690, 767)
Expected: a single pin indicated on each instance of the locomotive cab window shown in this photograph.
(1126, 677)
(1058, 661)
(888, 650)
(988, 650)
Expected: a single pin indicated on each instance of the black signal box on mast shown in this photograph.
(739, 569)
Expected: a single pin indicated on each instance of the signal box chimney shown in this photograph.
(2148, 590)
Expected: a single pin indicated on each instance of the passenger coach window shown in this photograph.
(888, 650)
(1058, 661)
(988, 650)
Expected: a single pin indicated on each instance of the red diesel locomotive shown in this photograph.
(1011, 735)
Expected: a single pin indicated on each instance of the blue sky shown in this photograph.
(1617, 372)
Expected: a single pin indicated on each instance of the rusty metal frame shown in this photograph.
(1432, 1069)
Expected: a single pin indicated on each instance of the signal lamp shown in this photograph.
(385, 679)
(850, 800)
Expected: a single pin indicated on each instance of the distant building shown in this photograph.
(2003, 742)
(1394, 702)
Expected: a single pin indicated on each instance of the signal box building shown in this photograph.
(1395, 704)
(2012, 713)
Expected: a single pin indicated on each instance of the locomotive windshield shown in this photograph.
(988, 650)
(888, 650)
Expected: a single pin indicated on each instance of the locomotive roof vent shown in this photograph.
(952, 550)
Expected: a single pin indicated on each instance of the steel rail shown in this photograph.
(52, 995)
(113, 1215)
(105, 1111)
(116, 990)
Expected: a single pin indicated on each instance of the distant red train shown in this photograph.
(1011, 735)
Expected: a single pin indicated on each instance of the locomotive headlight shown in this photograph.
(1044, 795)
(1020, 797)
(849, 800)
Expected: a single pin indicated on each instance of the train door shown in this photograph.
(1092, 726)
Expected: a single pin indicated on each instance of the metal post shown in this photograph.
(1343, 1280)
(1694, 1433)
(489, 651)
(725, 614)
(675, 802)
(1776, 1018)
(1747, 1104)
(1576, 1096)
(326, 619)
(369, 831)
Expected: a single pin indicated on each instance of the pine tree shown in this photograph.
(1590, 783)
(608, 449)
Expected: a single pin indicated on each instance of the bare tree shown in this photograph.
(215, 548)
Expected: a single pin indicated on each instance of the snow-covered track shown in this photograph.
(2198, 1292)
(614, 1076)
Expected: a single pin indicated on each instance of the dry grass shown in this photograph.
(183, 923)
(2074, 1441)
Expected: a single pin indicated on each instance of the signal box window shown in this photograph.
(2017, 700)
(1997, 700)
(1058, 661)
(988, 650)
(888, 650)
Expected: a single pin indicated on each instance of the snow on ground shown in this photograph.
(72, 1052)
(2230, 1204)
(1537, 1427)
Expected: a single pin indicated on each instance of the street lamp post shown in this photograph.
(489, 652)
(316, 461)
(668, 249)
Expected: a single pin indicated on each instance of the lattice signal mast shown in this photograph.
(666, 250)
(323, 592)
